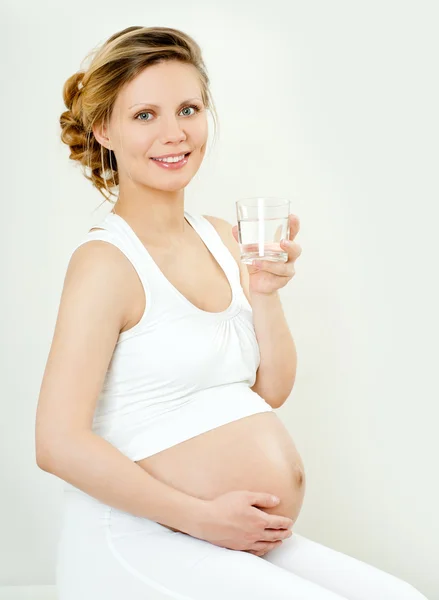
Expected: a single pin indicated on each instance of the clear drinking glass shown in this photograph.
(262, 224)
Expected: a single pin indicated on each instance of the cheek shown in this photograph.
(200, 133)
(201, 146)
(138, 143)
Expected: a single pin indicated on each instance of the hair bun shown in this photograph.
(72, 89)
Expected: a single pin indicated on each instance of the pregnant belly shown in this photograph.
(255, 453)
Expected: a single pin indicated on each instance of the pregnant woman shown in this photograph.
(169, 358)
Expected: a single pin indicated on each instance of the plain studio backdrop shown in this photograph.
(331, 104)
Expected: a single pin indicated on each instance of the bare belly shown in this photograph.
(255, 453)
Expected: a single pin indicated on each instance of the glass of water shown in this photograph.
(262, 224)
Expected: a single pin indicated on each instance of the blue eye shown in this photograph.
(196, 108)
(142, 113)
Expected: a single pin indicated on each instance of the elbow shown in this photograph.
(42, 451)
(280, 399)
(47, 453)
(276, 399)
(50, 447)
(273, 401)
(42, 465)
(54, 451)
(42, 458)
(276, 402)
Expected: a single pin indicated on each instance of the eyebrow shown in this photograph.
(157, 106)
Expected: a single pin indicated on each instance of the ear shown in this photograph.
(100, 133)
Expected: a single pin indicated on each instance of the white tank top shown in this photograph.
(180, 371)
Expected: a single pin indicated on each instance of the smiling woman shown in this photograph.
(111, 130)
(148, 408)
(182, 123)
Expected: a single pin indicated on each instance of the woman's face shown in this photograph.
(159, 112)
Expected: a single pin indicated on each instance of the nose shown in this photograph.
(171, 131)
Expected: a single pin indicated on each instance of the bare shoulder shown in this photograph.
(98, 268)
(224, 229)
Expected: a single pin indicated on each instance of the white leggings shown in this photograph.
(107, 554)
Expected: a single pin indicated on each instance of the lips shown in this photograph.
(159, 157)
(172, 166)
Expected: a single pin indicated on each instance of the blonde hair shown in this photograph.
(90, 94)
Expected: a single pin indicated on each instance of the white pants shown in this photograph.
(107, 554)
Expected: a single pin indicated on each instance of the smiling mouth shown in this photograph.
(170, 162)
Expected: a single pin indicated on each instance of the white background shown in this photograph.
(332, 104)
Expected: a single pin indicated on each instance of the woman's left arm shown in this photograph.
(277, 370)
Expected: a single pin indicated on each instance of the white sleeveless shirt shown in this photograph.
(180, 371)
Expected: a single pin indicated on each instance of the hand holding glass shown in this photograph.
(262, 225)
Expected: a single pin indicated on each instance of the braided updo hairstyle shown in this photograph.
(90, 94)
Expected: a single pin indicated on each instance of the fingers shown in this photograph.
(293, 248)
(294, 226)
(264, 547)
(278, 522)
(272, 535)
(285, 269)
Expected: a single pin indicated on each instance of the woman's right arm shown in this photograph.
(93, 308)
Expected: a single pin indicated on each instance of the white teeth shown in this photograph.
(172, 159)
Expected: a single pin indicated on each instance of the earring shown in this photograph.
(112, 171)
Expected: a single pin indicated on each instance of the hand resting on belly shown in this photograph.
(235, 469)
